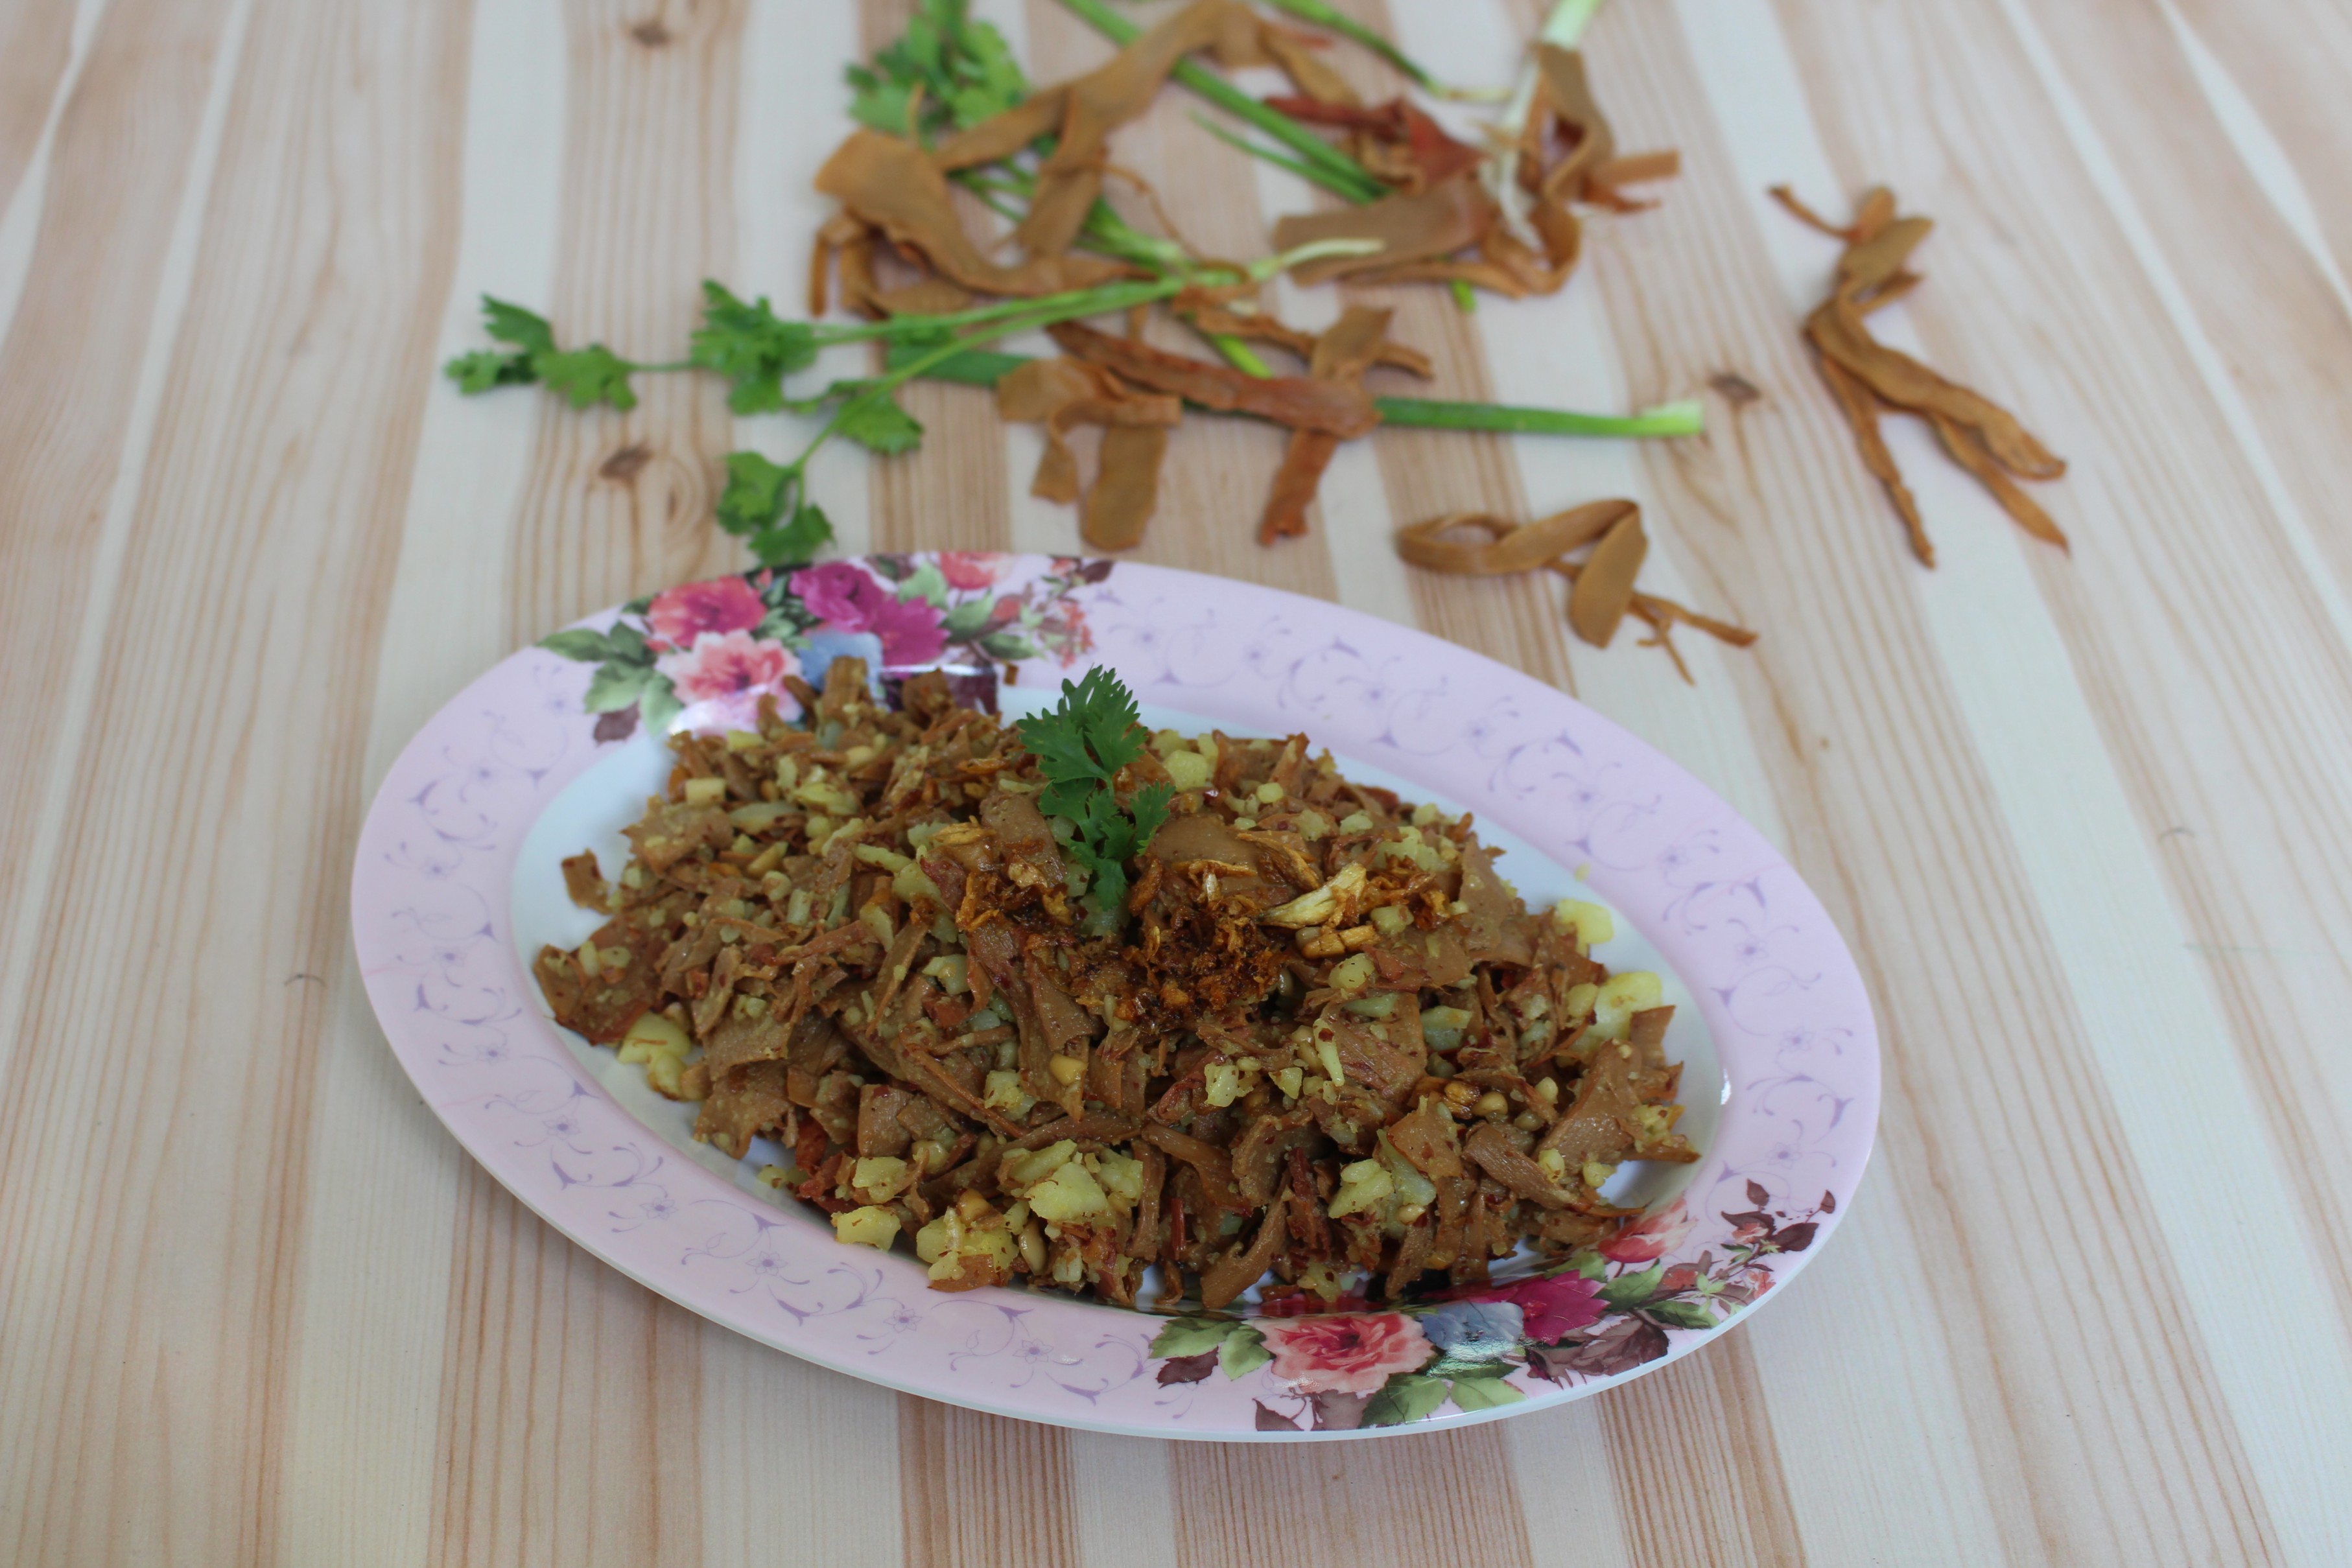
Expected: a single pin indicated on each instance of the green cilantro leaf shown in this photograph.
(757, 493)
(879, 103)
(752, 345)
(948, 69)
(1080, 745)
(797, 542)
(874, 423)
(486, 368)
(510, 323)
(590, 375)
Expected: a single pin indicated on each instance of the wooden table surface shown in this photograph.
(2084, 821)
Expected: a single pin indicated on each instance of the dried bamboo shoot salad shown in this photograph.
(1066, 1001)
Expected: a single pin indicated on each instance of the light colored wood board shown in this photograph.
(2252, 927)
(72, 371)
(376, 1266)
(1842, 1388)
(372, 1313)
(179, 1131)
(2286, 735)
(35, 46)
(580, 1388)
(2274, 312)
(571, 1403)
(1575, 1516)
(474, 456)
(1435, 1497)
(1125, 1504)
(798, 1463)
(619, 504)
(976, 1491)
(1912, 805)
(1696, 1463)
(2291, 59)
(953, 492)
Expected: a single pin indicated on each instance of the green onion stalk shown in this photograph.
(1670, 419)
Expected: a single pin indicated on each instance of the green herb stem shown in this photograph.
(1324, 15)
(986, 369)
(1090, 302)
(1241, 355)
(1439, 414)
(1306, 172)
(1361, 186)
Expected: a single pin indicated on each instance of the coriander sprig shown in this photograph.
(766, 503)
(1080, 745)
(949, 72)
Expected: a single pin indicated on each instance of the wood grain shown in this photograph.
(256, 566)
(35, 49)
(2081, 816)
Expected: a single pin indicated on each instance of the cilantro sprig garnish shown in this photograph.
(1080, 745)
(590, 375)
(766, 503)
(948, 73)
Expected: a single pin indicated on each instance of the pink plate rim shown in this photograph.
(1770, 974)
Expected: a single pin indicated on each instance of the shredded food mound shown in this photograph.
(1325, 1042)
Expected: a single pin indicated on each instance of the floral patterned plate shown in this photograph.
(455, 886)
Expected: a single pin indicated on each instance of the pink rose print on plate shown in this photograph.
(849, 599)
(1344, 1355)
(1553, 1309)
(1650, 1238)
(969, 571)
(721, 678)
(724, 604)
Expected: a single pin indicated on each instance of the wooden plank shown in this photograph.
(570, 1410)
(2151, 496)
(798, 1463)
(2291, 59)
(1907, 788)
(979, 1489)
(619, 504)
(1696, 1463)
(36, 45)
(381, 1244)
(70, 370)
(1442, 1496)
(220, 777)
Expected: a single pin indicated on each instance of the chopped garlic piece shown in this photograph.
(1362, 1185)
(1352, 973)
(1590, 922)
(1189, 770)
(1622, 996)
(869, 1227)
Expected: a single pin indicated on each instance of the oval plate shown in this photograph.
(556, 746)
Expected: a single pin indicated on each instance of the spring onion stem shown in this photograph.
(1362, 187)
(984, 369)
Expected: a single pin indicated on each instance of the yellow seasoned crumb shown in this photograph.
(1590, 922)
(869, 1226)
